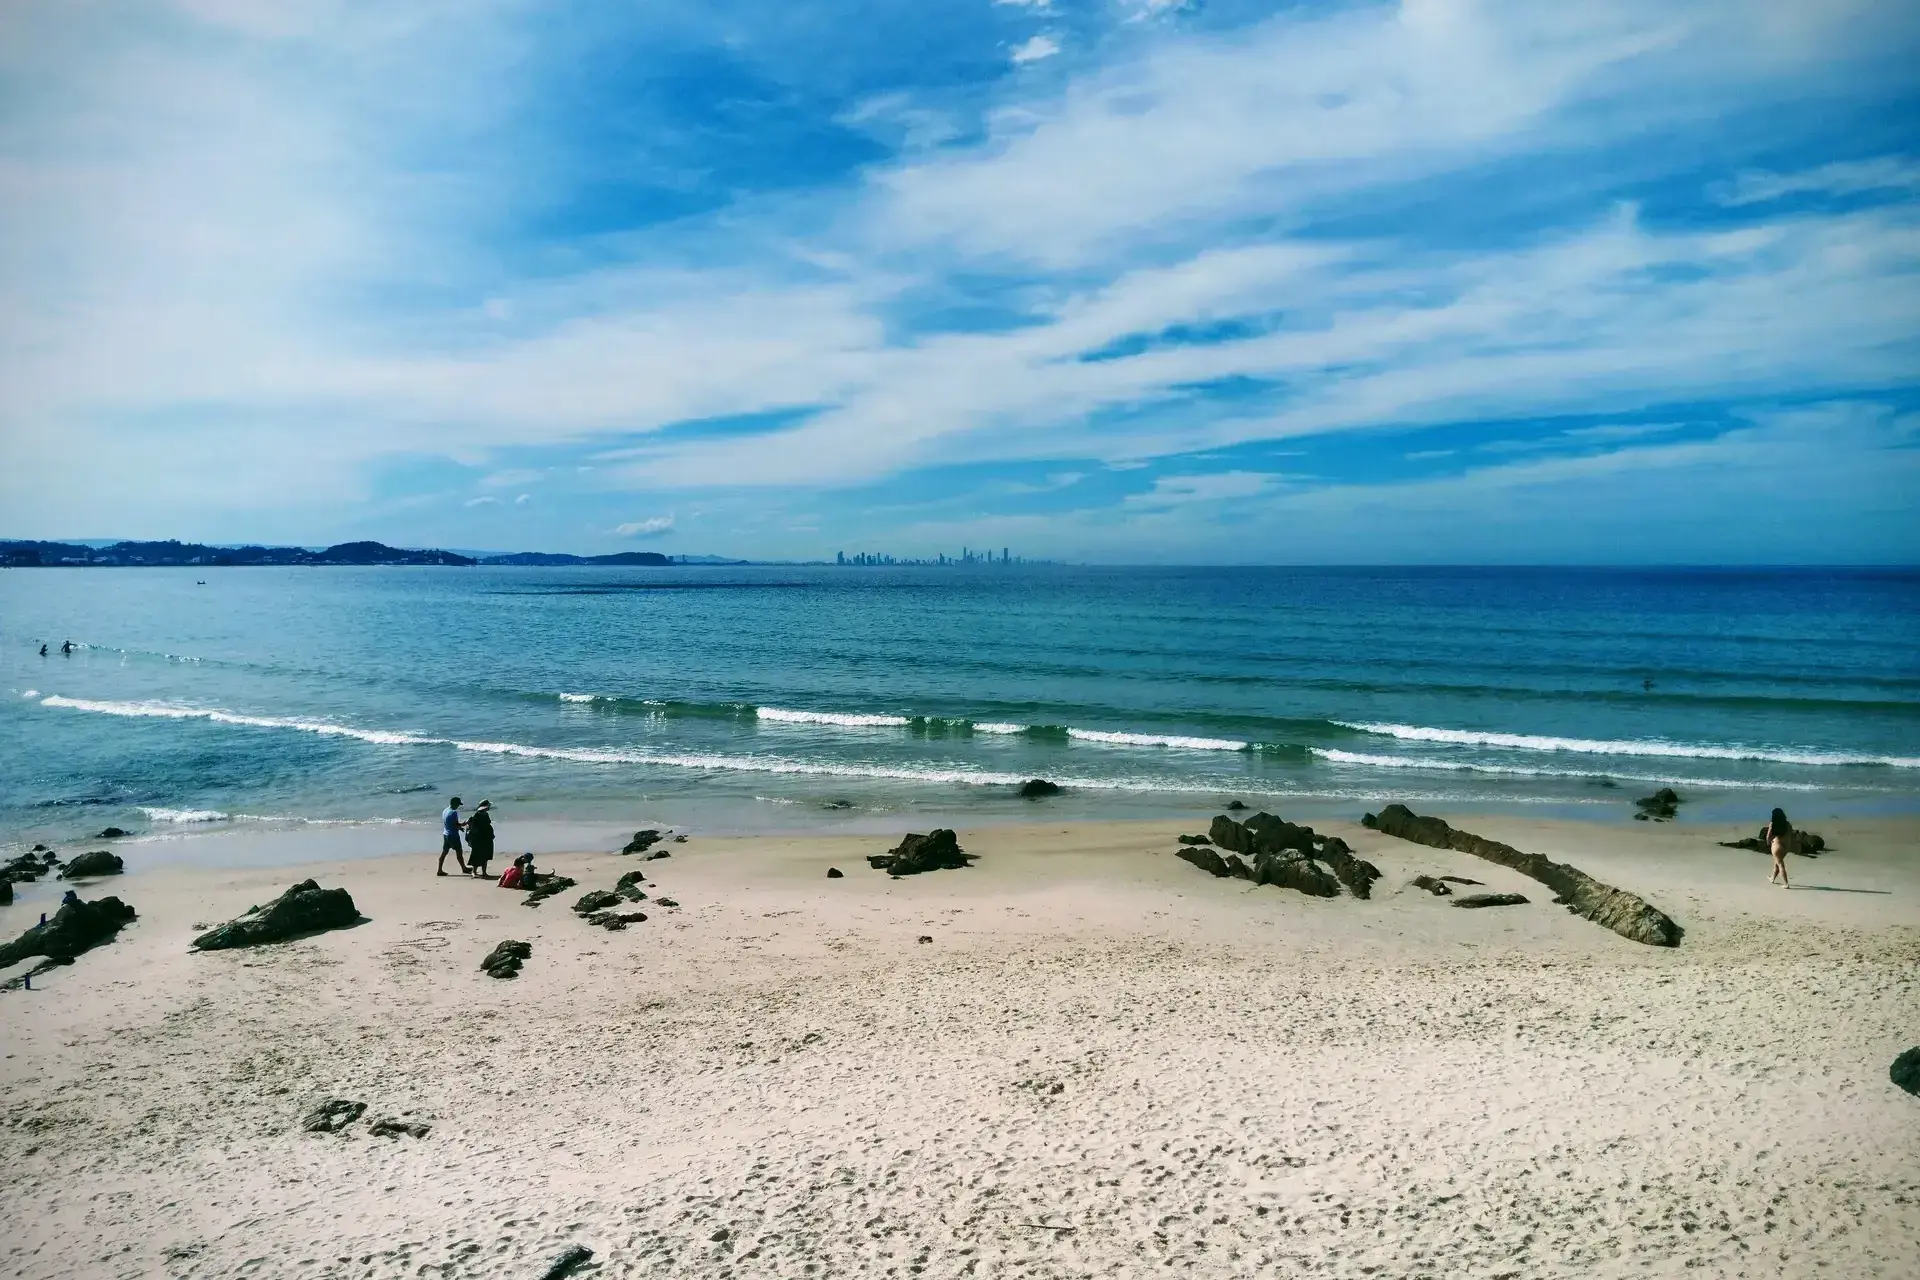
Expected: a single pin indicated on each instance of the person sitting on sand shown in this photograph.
(480, 838)
(450, 826)
(520, 874)
(1778, 837)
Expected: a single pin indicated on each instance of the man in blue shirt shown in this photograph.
(450, 825)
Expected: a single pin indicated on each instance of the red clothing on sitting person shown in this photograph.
(511, 879)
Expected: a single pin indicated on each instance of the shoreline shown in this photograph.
(785, 1074)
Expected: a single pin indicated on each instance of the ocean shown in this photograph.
(754, 698)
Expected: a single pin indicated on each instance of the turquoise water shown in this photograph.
(753, 697)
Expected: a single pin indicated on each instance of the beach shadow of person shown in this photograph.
(1834, 888)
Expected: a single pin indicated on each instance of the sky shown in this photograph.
(1125, 281)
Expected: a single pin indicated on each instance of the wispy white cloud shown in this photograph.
(1034, 49)
(652, 527)
(1895, 174)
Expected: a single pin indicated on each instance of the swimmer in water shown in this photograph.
(43, 650)
(67, 648)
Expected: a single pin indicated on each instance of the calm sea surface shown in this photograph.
(757, 697)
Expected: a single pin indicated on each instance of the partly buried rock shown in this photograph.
(614, 921)
(1458, 880)
(394, 1127)
(1491, 900)
(504, 961)
(1292, 870)
(75, 928)
(1205, 858)
(568, 1263)
(1626, 914)
(1905, 1071)
(333, 1116)
(1194, 840)
(1284, 854)
(545, 885)
(643, 841)
(25, 868)
(111, 833)
(1660, 806)
(306, 908)
(100, 862)
(835, 873)
(1432, 886)
(938, 850)
(1805, 843)
(596, 900)
(1235, 806)
(1034, 788)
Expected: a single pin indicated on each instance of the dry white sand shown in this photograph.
(1104, 1063)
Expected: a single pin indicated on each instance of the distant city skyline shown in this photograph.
(1438, 281)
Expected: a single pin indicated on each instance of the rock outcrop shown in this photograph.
(1491, 900)
(596, 900)
(1660, 806)
(332, 1116)
(1805, 843)
(1034, 788)
(835, 873)
(504, 961)
(643, 841)
(568, 1263)
(77, 927)
(304, 909)
(614, 921)
(1624, 913)
(1278, 852)
(111, 833)
(25, 868)
(1905, 1071)
(545, 885)
(938, 850)
(100, 862)
(1432, 886)
(395, 1127)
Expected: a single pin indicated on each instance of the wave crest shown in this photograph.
(1627, 747)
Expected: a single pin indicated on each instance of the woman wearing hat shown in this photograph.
(480, 839)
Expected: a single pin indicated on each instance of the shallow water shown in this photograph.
(744, 697)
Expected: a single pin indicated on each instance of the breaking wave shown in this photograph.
(1627, 747)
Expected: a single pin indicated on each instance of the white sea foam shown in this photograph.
(993, 726)
(851, 720)
(579, 697)
(157, 814)
(1362, 759)
(1629, 747)
(31, 693)
(1156, 740)
(167, 711)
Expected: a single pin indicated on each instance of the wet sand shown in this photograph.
(1104, 1063)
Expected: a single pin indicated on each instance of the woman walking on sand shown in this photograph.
(1777, 837)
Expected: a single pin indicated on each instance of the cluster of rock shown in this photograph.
(1620, 911)
(1661, 806)
(938, 850)
(645, 840)
(1282, 853)
(504, 961)
(77, 927)
(336, 1114)
(602, 906)
(86, 866)
(1805, 843)
(304, 909)
(544, 885)
(24, 868)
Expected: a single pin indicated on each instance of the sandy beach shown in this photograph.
(1102, 1063)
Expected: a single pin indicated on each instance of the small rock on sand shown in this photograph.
(596, 900)
(394, 1127)
(926, 937)
(1458, 880)
(835, 873)
(1195, 840)
(1905, 1071)
(1432, 886)
(100, 862)
(504, 961)
(1491, 900)
(567, 1263)
(332, 1116)
(303, 909)
(643, 841)
(938, 850)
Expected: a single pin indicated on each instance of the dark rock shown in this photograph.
(837, 804)
(1274, 835)
(1236, 867)
(1293, 870)
(1905, 1071)
(111, 833)
(680, 839)
(394, 1127)
(596, 900)
(1660, 806)
(1458, 880)
(658, 854)
(545, 885)
(504, 961)
(938, 850)
(24, 869)
(614, 921)
(629, 880)
(1034, 788)
(630, 893)
(1623, 912)
(98, 863)
(643, 841)
(306, 908)
(1804, 843)
(1228, 834)
(40, 848)
(77, 927)
(332, 1116)
(1235, 806)
(6, 893)
(1351, 870)
(1432, 886)
(834, 873)
(667, 902)
(1204, 858)
(1195, 840)
(568, 1263)
(926, 937)
(1491, 900)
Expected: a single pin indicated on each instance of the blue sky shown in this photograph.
(1115, 280)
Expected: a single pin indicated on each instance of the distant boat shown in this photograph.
(200, 582)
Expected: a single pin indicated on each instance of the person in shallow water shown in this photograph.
(480, 838)
(450, 826)
(1778, 837)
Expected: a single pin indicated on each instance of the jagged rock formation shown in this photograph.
(1624, 913)
(1661, 806)
(643, 841)
(75, 928)
(504, 961)
(305, 908)
(98, 863)
(938, 850)
(333, 1116)
(545, 885)
(1279, 853)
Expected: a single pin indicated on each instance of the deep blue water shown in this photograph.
(758, 696)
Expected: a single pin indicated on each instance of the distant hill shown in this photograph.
(28, 554)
